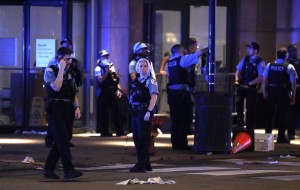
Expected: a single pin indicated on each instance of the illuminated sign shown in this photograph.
(45, 51)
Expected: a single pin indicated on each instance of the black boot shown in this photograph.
(50, 175)
(149, 167)
(72, 174)
(138, 168)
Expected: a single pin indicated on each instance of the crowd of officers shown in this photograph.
(270, 92)
(275, 83)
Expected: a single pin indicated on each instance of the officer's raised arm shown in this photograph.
(65, 59)
(56, 84)
(102, 77)
(191, 59)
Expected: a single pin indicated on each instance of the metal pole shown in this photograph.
(211, 45)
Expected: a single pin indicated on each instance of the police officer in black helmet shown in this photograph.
(247, 78)
(62, 107)
(279, 89)
(108, 95)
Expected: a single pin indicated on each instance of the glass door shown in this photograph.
(11, 61)
(163, 28)
(45, 39)
(167, 34)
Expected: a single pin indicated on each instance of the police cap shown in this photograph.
(68, 41)
(253, 45)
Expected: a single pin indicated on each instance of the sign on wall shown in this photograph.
(45, 51)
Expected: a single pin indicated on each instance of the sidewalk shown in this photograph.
(92, 150)
(105, 162)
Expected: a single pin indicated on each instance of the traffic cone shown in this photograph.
(241, 142)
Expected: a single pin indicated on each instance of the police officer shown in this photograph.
(77, 67)
(108, 95)
(294, 110)
(180, 97)
(140, 50)
(247, 78)
(143, 97)
(279, 88)
(62, 107)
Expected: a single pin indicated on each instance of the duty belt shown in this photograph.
(178, 87)
(58, 100)
(140, 107)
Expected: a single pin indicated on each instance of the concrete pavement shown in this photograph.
(105, 161)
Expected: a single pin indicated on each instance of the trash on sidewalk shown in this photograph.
(287, 156)
(28, 160)
(273, 162)
(33, 132)
(264, 142)
(154, 180)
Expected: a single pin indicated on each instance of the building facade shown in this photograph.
(115, 25)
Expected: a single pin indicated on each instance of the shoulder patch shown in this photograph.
(153, 81)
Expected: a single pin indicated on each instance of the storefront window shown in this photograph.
(11, 20)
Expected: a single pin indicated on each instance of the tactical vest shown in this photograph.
(278, 78)
(177, 74)
(68, 88)
(249, 70)
(296, 64)
(139, 92)
(111, 82)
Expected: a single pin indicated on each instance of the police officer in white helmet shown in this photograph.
(140, 50)
(107, 98)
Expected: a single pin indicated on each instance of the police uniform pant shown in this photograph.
(59, 118)
(276, 113)
(181, 113)
(250, 94)
(260, 112)
(106, 101)
(49, 138)
(141, 131)
(293, 115)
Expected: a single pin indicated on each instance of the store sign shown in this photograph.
(45, 51)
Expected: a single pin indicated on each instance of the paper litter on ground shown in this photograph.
(154, 180)
(28, 160)
(287, 156)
